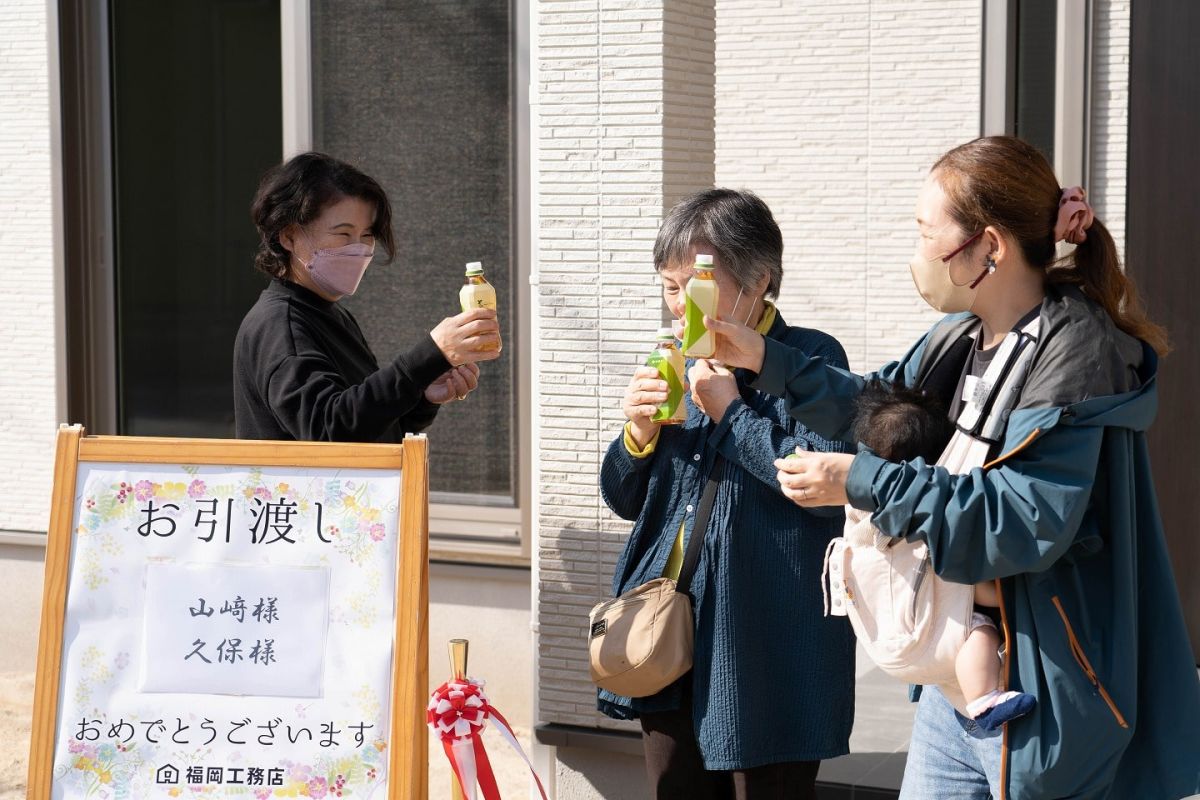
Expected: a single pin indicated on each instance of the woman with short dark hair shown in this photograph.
(302, 369)
(771, 690)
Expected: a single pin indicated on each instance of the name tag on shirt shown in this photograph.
(975, 391)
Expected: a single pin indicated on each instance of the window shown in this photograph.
(195, 122)
(420, 95)
(1033, 78)
(1036, 79)
(417, 94)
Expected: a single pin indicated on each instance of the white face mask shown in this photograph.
(745, 322)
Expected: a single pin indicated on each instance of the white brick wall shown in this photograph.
(1109, 124)
(833, 111)
(606, 172)
(27, 329)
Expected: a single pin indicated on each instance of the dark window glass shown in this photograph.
(1035, 63)
(197, 119)
(417, 94)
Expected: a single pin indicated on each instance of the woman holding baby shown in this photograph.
(1057, 520)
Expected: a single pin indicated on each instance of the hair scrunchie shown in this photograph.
(1075, 216)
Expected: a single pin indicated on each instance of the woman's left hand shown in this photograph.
(713, 387)
(455, 384)
(811, 480)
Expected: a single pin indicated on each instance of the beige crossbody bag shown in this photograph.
(641, 642)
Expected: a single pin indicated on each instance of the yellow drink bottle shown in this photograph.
(701, 297)
(667, 359)
(477, 292)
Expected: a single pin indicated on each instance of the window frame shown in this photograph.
(1072, 81)
(85, 213)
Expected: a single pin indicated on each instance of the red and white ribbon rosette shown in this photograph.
(457, 713)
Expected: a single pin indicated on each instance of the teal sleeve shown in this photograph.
(1020, 516)
(821, 395)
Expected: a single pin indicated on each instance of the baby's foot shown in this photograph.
(996, 708)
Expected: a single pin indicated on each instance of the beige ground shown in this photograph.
(16, 698)
(512, 775)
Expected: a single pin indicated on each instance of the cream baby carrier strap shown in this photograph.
(989, 399)
(912, 623)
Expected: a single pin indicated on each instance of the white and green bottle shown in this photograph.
(667, 359)
(701, 298)
(476, 292)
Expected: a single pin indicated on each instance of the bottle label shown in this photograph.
(693, 326)
(475, 296)
(667, 373)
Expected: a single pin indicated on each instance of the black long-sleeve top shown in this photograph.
(302, 370)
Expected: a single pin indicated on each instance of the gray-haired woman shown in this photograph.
(771, 692)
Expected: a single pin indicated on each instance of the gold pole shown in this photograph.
(458, 669)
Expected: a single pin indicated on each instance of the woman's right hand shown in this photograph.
(468, 337)
(737, 345)
(644, 394)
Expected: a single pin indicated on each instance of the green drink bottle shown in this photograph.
(701, 297)
(667, 359)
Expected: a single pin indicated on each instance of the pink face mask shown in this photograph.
(338, 270)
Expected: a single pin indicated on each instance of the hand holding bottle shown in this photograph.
(644, 394)
(713, 388)
(812, 480)
(736, 345)
(468, 337)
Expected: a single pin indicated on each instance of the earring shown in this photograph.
(990, 263)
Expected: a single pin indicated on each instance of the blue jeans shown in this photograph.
(950, 757)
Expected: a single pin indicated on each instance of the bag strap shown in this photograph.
(691, 557)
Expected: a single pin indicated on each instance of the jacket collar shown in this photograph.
(295, 291)
(1071, 325)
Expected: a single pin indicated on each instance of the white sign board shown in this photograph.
(228, 633)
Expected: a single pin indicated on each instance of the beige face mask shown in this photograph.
(937, 287)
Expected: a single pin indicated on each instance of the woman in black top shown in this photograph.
(302, 369)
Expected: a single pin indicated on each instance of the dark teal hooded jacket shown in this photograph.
(1066, 521)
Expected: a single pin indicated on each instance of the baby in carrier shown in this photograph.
(903, 424)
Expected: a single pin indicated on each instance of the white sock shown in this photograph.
(981, 704)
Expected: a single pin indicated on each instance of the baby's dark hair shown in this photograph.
(901, 424)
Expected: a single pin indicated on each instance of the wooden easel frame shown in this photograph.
(409, 743)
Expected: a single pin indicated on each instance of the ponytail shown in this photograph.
(1006, 182)
(1095, 268)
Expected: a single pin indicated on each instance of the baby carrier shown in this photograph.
(911, 622)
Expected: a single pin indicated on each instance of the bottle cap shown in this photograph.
(704, 260)
(665, 334)
(474, 268)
